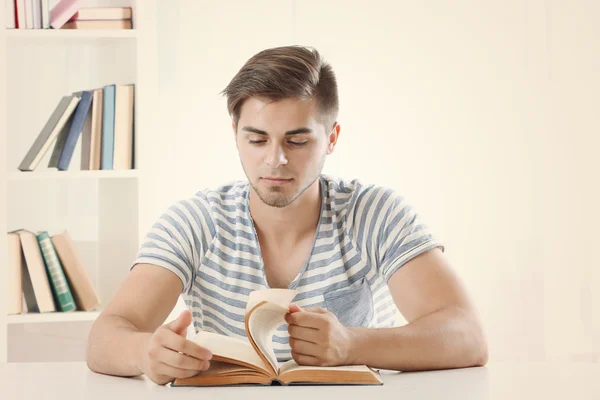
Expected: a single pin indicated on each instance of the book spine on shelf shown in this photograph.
(45, 14)
(108, 126)
(60, 286)
(79, 117)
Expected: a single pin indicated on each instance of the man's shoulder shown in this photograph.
(354, 192)
(229, 196)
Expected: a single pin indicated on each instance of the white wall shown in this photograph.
(482, 113)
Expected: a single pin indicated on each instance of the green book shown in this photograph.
(60, 286)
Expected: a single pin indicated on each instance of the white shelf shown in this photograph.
(70, 33)
(32, 318)
(55, 174)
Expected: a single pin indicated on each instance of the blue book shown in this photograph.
(108, 127)
(79, 116)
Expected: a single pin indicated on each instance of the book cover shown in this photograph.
(61, 139)
(64, 10)
(49, 133)
(36, 287)
(108, 126)
(10, 10)
(79, 281)
(102, 13)
(123, 143)
(79, 117)
(45, 14)
(254, 361)
(77, 24)
(60, 286)
(15, 274)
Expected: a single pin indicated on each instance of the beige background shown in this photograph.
(484, 114)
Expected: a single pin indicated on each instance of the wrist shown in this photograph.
(140, 354)
(356, 344)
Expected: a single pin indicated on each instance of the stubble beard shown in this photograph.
(274, 196)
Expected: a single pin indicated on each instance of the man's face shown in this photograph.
(282, 147)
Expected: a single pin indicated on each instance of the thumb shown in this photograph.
(179, 325)
(294, 308)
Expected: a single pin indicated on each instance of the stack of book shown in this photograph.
(45, 274)
(67, 14)
(103, 118)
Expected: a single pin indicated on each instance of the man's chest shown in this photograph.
(282, 264)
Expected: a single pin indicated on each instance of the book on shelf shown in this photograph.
(50, 131)
(102, 13)
(91, 135)
(117, 24)
(63, 298)
(62, 11)
(254, 361)
(66, 14)
(46, 274)
(102, 119)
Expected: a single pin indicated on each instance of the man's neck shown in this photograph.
(290, 223)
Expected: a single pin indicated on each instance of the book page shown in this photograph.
(291, 365)
(262, 324)
(281, 297)
(229, 348)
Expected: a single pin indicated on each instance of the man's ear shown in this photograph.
(333, 137)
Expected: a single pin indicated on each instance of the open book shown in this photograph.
(253, 361)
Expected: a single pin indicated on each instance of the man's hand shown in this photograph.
(318, 338)
(168, 354)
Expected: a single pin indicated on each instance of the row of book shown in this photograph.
(46, 274)
(67, 14)
(103, 119)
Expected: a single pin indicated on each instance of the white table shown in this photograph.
(504, 381)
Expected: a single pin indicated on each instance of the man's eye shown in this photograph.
(297, 143)
(257, 141)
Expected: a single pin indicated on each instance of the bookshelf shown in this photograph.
(101, 209)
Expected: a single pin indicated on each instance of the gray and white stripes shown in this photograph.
(364, 235)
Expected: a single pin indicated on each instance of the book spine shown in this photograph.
(108, 126)
(45, 14)
(10, 14)
(79, 117)
(56, 274)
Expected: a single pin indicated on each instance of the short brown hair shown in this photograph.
(285, 72)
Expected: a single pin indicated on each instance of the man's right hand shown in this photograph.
(167, 354)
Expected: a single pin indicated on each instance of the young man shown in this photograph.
(358, 254)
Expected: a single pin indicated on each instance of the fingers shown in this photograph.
(177, 343)
(303, 333)
(303, 359)
(304, 347)
(181, 361)
(173, 372)
(307, 319)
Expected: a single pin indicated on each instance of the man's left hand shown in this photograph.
(318, 338)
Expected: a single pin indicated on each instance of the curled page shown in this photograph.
(265, 313)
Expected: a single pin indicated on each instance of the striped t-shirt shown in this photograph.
(365, 233)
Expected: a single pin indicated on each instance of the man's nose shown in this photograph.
(275, 156)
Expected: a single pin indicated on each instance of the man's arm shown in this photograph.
(443, 330)
(118, 343)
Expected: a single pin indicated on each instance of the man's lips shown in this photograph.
(276, 180)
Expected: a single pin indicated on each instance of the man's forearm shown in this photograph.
(115, 346)
(445, 339)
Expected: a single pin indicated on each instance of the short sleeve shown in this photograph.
(173, 242)
(404, 236)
